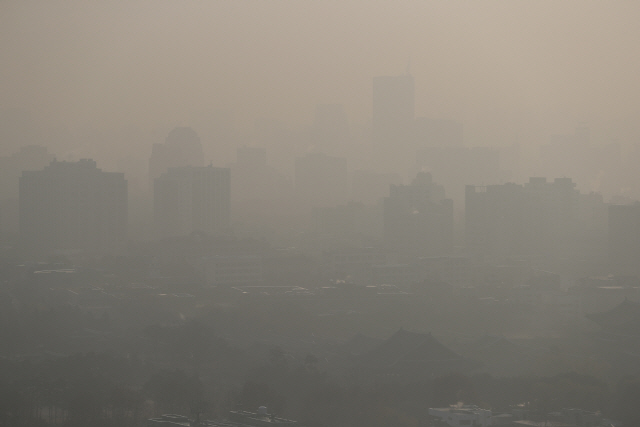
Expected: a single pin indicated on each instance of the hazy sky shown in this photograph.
(507, 69)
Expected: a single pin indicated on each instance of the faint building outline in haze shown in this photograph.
(192, 199)
(73, 206)
(418, 217)
(253, 179)
(393, 113)
(30, 157)
(182, 147)
(330, 131)
(536, 218)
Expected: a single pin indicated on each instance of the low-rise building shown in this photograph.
(463, 415)
(261, 418)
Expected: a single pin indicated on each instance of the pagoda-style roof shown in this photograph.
(408, 347)
(623, 318)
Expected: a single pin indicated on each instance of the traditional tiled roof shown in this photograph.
(405, 346)
(625, 317)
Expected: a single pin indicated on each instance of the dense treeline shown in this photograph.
(104, 390)
(117, 366)
(92, 389)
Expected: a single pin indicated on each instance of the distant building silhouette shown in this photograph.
(350, 220)
(73, 206)
(594, 167)
(437, 133)
(192, 199)
(321, 180)
(538, 218)
(30, 157)
(182, 147)
(370, 187)
(418, 218)
(253, 179)
(330, 132)
(624, 239)
(393, 120)
(393, 106)
(456, 167)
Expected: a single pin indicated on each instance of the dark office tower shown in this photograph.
(624, 239)
(392, 121)
(418, 219)
(330, 131)
(192, 199)
(321, 180)
(182, 147)
(73, 206)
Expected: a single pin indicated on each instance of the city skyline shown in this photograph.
(319, 214)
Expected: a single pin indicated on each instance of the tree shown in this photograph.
(174, 391)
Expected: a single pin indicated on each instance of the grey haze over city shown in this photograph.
(315, 214)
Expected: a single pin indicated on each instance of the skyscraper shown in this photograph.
(30, 157)
(393, 105)
(418, 219)
(624, 239)
(330, 132)
(537, 218)
(73, 206)
(393, 121)
(182, 147)
(253, 179)
(192, 199)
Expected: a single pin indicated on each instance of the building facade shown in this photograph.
(182, 147)
(624, 239)
(73, 206)
(192, 199)
(537, 218)
(418, 218)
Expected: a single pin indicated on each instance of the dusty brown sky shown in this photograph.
(508, 69)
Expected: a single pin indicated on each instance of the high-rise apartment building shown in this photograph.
(418, 218)
(457, 166)
(182, 147)
(330, 131)
(393, 107)
(30, 157)
(192, 199)
(624, 239)
(73, 206)
(253, 179)
(392, 124)
(537, 218)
